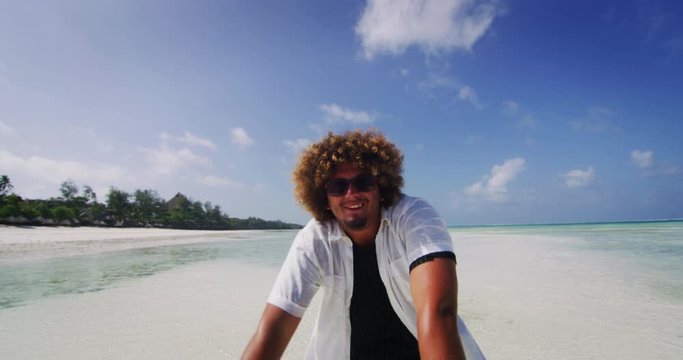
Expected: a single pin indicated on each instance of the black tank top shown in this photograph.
(376, 330)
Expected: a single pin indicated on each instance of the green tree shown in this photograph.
(197, 213)
(9, 210)
(148, 207)
(11, 206)
(29, 211)
(96, 212)
(213, 213)
(89, 194)
(5, 185)
(69, 190)
(61, 213)
(179, 210)
(43, 210)
(79, 204)
(118, 204)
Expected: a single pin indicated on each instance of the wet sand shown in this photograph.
(34, 243)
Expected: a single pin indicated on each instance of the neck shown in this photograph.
(362, 237)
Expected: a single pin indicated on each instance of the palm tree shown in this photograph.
(5, 185)
(69, 190)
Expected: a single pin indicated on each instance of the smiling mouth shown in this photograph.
(354, 206)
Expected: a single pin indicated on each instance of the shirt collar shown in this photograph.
(337, 233)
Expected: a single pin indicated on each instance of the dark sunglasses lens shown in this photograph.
(362, 183)
(337, 187)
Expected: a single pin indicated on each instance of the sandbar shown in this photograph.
(34, 243)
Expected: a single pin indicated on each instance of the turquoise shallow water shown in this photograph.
(658, 241)
(655, 246)
(27, 281)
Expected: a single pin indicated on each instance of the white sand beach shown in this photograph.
(205, 311)
(532, 297)
(32, 243)
(523, 297)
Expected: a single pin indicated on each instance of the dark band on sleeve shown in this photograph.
(430, 257)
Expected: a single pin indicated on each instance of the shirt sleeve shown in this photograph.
(299, 278)
(425, 232)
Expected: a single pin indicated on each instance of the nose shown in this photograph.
(351, 190)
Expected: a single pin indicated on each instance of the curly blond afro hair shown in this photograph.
(368, 150)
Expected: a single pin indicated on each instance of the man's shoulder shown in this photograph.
(406, 204)
(410, 210)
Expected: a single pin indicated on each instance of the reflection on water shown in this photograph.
(24, 282)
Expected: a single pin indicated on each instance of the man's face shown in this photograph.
(355, 210)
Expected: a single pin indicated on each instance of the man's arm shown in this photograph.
(272, 335)
(434, 288)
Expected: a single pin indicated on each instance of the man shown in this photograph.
(384, 261)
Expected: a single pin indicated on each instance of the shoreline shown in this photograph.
(523, 296)
(554, 224)
(18, 244)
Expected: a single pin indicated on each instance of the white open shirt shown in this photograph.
(321, 256)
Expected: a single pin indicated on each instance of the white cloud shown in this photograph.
(217, 181)
(435, 81)
(493, 186)
(466, 93)
(192, 139)
(514, 109)
(642, 159)
(391, 26)
(510, 107)
(240, 137)
(188, 138)
(6, 130)
(55, 171)
(165, 161)
(297, 145)
(336, 113)
(579, 178)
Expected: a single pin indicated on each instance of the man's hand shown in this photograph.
(434, 288)
(272, 335)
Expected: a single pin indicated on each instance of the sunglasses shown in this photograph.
(361, 183)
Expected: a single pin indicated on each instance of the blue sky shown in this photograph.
(506, 111)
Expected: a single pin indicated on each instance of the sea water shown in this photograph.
(508, 321)
(36, 279)
(575, 291)
(656, 247)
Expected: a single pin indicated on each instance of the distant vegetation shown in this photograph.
(143, 208)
